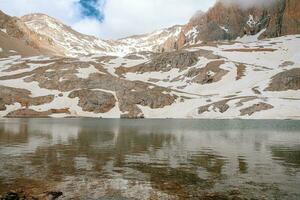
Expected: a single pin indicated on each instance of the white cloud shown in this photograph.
(128, 17)
(247, 4)
(88, 26)
(64, 10)
(122, 17)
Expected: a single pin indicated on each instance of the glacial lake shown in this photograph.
(151, 159)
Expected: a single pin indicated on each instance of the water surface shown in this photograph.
(151, 159)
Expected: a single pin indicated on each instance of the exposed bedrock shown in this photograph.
(167, 61)
(9, 96)
(94, 101)
(96, 91)
(256, 108)
(287, 80)
(29, 113)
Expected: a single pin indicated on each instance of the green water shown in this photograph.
(151, 159)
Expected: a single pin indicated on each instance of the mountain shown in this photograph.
(74, 43)
(14, 31)
(229, 62)
(64, 37)
(230, 21)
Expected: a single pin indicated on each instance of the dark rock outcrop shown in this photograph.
(287, 80)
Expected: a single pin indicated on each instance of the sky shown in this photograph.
(111, 19)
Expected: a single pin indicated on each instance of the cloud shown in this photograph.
(129, 17)
(111, 18)
(65, 10)
(248, 4)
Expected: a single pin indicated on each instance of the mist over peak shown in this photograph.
(248, 4)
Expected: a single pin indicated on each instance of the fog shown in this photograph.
(249, 3)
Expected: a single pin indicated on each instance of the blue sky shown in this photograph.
(111, 19)
(90, 8)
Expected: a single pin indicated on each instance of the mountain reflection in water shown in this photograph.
(144, 159)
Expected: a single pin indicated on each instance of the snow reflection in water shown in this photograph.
(163, 159)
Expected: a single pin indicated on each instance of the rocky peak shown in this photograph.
(229, 21)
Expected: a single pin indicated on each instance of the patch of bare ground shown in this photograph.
(211, 44)
(211, 73)
(222, 106)
(256, 90)
(16, 67)
(105, 59)
(286, 64)
(133, 57)
(245, 100)
(252, 50)
(94, 101)
(255, 108)
(9, 96)
(287, 80)
(62, 76)
(241, 68)
(167, 61)
(29, 113)
(163, 62)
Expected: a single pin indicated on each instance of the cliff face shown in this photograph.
(227, 22)
(291, 18)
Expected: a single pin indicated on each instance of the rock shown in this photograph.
(52, 195)
(255, 108)
(227, 22)
(20, 195)
(94, 101)
(287, 80)
(11, 95)
(241, 68)
(208, 74)
(164, 62)
(29, 113)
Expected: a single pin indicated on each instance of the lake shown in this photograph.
(151, 159)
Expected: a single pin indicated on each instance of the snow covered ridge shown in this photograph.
(77, 44)
(257, 79)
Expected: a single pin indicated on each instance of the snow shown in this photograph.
(251, 22)
(260, 68)
(250, 38)
(224, 28)
(86, 72)
(3, 30)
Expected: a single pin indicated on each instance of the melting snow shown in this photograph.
(86, 72)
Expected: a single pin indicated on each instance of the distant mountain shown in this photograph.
(16, 36)
(64, 37)
(74, 43)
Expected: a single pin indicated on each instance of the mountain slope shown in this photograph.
(74, 43)
(15, 30)
(226, 80)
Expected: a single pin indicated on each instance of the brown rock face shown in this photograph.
(226, 22)
(291, 18)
